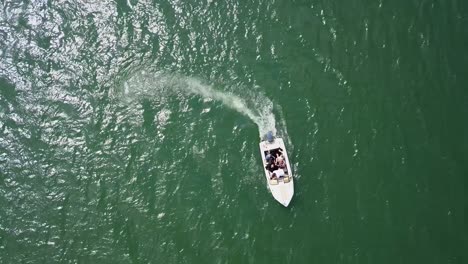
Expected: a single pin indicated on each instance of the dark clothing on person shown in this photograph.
(271, 167)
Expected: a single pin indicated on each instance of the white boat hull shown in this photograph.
(282, 190)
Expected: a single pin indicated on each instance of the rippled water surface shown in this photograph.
(129, 131)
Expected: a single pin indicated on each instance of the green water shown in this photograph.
(129, 131)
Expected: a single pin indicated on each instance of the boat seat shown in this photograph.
(274, 182)
(286, 179)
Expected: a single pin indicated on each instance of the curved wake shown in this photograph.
(257, 107)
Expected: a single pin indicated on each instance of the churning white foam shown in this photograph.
(252, 104)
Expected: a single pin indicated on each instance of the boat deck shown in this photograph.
(281, 188)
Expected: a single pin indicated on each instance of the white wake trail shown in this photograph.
(255, 106)
(263, 116)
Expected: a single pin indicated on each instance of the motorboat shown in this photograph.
(277, 168)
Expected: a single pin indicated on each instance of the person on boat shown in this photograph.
(271, 166)
(273, 176)
(279, 152)
(280, 162)
(277, 174)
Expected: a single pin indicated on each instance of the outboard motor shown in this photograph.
(269, 136)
